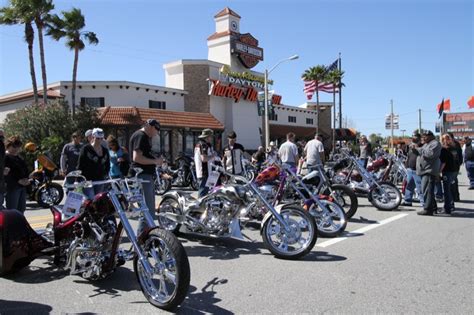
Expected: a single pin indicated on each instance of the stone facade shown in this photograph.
(196, 84)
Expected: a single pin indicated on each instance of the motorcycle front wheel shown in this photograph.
(164, 186)
(387, 201)
(167, 287)
(49, 195)
(297, 241)
(332, 222)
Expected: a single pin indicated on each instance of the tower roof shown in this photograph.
(226, 11)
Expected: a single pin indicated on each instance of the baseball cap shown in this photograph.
(427, 133)
(88, 133)
(153, 123)
(97, 133)
(232, 135)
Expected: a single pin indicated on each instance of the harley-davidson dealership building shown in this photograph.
(220, 93)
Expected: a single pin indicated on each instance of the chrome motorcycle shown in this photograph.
(288, 231)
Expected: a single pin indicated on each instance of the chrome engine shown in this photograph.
(91, 249)
(217, 216)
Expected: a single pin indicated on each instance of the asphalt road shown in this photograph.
(387, 262)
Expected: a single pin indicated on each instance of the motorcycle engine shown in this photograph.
(91, 248)
(268, 191)
(219, 213)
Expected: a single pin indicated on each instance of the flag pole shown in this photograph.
(340, 94)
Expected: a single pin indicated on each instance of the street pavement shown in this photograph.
(386, 262)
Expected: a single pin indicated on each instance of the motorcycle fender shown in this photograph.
(175, 195)
(269, 214)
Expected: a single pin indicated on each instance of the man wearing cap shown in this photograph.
(203, 156)
(413, 181)
(142, 157)
(88, 136)
(314, 152)
(233, 154)
(70, 154)
(428, 167)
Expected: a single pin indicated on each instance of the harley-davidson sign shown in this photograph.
(245, 46)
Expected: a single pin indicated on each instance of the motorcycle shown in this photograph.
(162, 179)
(288, 231)
(84, 239)
(42, 189)
(383, 195)
(185, 173)
(329, 216)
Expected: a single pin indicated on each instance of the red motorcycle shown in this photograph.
(85, 238)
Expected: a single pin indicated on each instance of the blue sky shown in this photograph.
(414, 52)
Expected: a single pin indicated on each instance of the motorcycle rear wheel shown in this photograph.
(165, 185)
(293, 244)
(171, 205)
(381, 202)
(332, 223)
(169, 284)
(346, 198)
(49, 195)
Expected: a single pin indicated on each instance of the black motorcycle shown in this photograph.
(184, 175)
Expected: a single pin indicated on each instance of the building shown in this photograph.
(220, 93)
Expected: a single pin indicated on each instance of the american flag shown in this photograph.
(309, 88)
(333, 66)
(327, 87)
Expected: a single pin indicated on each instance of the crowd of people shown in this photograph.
(432, 166)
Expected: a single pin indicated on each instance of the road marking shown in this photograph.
(39, 218)
(362, 230)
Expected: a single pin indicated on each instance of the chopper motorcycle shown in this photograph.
(288, 231)
(84, 239)
(381, 194)
(185, 173)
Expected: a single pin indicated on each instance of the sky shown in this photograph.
(414, 52)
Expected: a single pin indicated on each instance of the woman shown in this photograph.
(17, 177)
(119, 159)
(448, 172)
(94, 162)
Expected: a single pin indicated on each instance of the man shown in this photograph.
(88, 136)
(413, 180)
(259, 158)
(233, 154)
(288, 152)
(428, 166)
(2, 169)
(456, 151)
(203, 157)
(272, 152)
(468, 154)
(70, 155)
(365, 151)
(449, 171)
(314, 151)
(140, 145)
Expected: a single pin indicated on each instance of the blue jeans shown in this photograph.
(16, 199)
(470, 172)
(439, 190)
(413, 182)
(149, 194)
(203, 189)
(448, 179)
(363, 162)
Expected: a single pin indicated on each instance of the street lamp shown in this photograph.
(403, 132)
(266, 120)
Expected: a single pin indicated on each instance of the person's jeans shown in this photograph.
(455, 187)
(428, 183)
(470, 172)
(413, 183)
(16, 199)
(149, 194)
(203, 189)
(363, 162)
(439, 190)
(448, 179)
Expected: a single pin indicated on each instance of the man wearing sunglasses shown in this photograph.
(142, 157)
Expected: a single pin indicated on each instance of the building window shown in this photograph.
(309, 121)
(156, 104)
(292, 119)
(273, 116)
(93, 101)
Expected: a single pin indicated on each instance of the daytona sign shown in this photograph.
(250, 94)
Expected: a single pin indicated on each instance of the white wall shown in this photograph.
(10, 108)
(283, 115)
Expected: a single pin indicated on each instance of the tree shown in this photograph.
(71, 27)
(40, 10)
(19, 13)
(317, 74)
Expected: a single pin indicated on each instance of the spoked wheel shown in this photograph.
(49, 195)
(346, 198)
(162, 186)
(330, 223)
(168, 205)
(385, 197)
(295, 242)
(168, 284)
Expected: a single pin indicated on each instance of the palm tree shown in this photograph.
(40, 10)
(18, 13)
(335, 77)
(317, 74)
(70, 27)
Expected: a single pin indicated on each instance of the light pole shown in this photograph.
(403, 132)
(265, 87)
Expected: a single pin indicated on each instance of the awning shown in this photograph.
(346, 134)
(133, 116)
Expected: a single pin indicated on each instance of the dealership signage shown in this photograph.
(245, 46)
(237, 93)
(460, 124)
(245, 78)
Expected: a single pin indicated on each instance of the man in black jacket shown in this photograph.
(456, 151)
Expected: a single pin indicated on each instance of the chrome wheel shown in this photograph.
(330, 222)
(168, 205)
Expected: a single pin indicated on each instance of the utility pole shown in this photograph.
(391, 123)
(419, 120)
